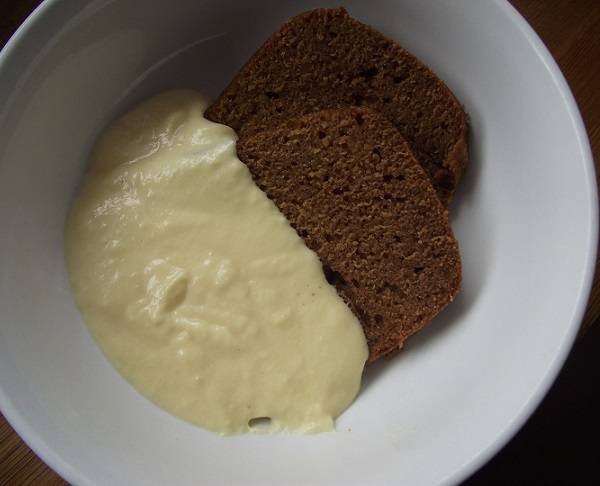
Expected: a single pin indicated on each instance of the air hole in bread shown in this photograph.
(369, 74)
(363, 316)
(333, 277)
(358, 100)
(260, 423)
(272, 94)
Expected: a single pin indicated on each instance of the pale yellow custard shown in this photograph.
(195, 286)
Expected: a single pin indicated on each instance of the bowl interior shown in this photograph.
(525, 216)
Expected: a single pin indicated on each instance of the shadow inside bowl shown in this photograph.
(475, 255)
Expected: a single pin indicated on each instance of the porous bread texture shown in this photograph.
(324, 59)
(350, 186)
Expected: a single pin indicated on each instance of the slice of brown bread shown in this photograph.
(350, 186)
(325, 59)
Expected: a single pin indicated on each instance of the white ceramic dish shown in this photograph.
(525, 215)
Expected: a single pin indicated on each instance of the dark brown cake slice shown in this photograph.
(350, 186)
(324, 59)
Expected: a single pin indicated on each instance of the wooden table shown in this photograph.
(570, 29)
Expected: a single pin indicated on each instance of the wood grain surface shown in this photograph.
(571, 31)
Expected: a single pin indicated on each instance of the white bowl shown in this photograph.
(525, 216)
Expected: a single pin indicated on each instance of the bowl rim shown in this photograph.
(44, 450)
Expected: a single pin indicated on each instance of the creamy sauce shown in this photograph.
(195, 286)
